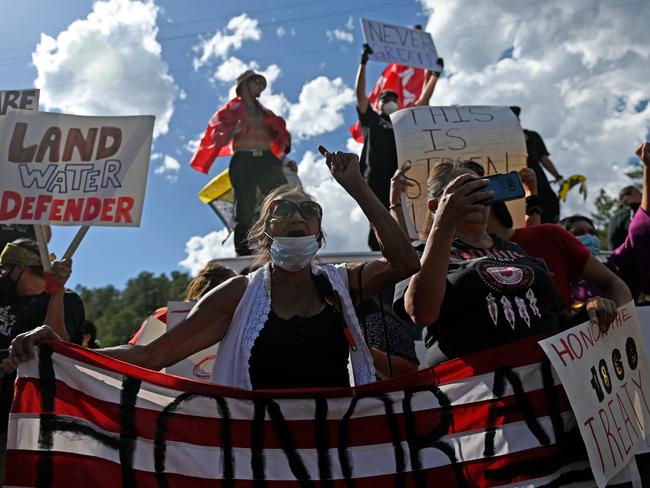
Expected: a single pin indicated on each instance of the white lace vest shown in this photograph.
(231, 365)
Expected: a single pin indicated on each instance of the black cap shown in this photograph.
(386, 94)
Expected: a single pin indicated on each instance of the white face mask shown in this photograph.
(294, 253)
(389, 107)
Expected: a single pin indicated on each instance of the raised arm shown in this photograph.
(430, 81)
(360, 86)
(643, 151)
(400, 259)
(426, 290)
(550, 167)
(207, 324)
(533, 203)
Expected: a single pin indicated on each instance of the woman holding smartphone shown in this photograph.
(475, 291)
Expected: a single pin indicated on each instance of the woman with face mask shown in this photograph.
(631, 260)
(291, 323)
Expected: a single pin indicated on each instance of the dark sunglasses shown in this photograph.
(284, 209)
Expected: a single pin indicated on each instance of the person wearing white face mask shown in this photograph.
(379, 155)
(631, 260)
(291, 323)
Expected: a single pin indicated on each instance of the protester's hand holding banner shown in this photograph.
(401, 45)
(73, 170)
(606, 380)
(495, 418)
(427, 135)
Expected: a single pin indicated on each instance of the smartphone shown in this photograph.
(506, 186)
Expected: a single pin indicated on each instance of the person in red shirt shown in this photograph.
(564, 255)
(259, 140)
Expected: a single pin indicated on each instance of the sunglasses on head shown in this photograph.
(284, 209)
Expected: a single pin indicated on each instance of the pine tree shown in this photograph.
(606, 207)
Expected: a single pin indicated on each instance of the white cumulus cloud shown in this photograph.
(579, 70)
(169, 168)
(353, 146)
(280, 32)
(319, 108)
(201, 249)
(107, 64)
(340, 35)
(239, 29)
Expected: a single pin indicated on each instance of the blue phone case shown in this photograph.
(506, 186)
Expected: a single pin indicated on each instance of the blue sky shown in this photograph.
(586, 94)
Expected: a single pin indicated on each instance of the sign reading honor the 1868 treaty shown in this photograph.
(18, 100)
(606, 380)
(400, 45)
(425, 136)
(70, 170)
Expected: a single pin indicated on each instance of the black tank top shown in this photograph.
(300, 352)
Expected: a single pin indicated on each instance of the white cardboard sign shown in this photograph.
(606, 380)
(401, 45)
(25, 99)
(72, 170)
(199, 365)
(425, 136)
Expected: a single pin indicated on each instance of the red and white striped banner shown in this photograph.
(498, 418)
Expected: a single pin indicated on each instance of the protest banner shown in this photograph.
(606, 381)
(26, 99)
(425, 136)
(74, 170)
(495, 418)
(199, 365)
(401, 45)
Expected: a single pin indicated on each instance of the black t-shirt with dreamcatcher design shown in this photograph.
(493, 296)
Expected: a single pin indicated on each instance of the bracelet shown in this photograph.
(394, 205)
(533, 211)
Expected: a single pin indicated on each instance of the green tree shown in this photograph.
(606, 207)
(118, 314)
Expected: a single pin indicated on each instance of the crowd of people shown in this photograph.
(474, 283)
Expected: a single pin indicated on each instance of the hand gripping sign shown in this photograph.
(606, 380)
(425, 136)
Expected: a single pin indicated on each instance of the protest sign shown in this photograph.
(18, 100)
(606, 380)
(71, 170)
(425, 136)
(199, 365)
(494, 418)
(400, 45)
(644, 320)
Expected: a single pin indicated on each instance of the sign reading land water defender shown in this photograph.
(425, 136)
(71, 170)
(400, 45)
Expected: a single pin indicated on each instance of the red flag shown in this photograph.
(498, 418)
(406, 81)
